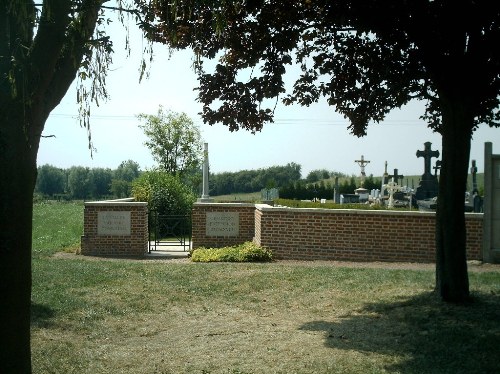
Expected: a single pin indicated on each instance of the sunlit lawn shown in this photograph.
(132, 316)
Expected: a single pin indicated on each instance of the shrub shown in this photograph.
(164, 193)
(246, 252)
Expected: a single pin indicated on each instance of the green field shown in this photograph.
(96, 315)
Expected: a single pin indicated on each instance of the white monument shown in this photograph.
(391, 187)
(205, 197)
(362, 163)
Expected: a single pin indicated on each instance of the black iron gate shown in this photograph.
(169, 232)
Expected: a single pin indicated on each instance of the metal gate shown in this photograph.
(169, 232)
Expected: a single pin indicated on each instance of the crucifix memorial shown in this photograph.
(428, 186)
(362, 163)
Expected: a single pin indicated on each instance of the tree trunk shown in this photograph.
(17, 181)
(452, 281)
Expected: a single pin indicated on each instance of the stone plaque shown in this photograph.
(223, 224)
(113, 223)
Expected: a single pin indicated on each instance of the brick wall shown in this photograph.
(341, 234)
(98, 244)
(356, 235)
(246, 230)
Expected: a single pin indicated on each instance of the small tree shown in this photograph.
(174, 141)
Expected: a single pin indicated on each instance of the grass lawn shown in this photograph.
(146, 316)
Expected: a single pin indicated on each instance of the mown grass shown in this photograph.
(95, 315)
(57, 226)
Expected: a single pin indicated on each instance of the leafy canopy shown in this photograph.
(365, 58)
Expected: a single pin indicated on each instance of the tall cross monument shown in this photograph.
(428, 187)
(362, 163)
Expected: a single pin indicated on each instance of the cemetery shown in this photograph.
(120, 227)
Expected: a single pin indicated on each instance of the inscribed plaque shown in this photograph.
(113, 223)
(223, 224)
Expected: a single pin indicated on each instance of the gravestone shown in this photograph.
(349, 198)
(363, 194)
(476, 203)
(396, 177)
(336, 193)
(491, 219)
(391, 187)
(428, 187)
(269, 194)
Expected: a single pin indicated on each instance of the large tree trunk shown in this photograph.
(18, 175)
(40, 70)
(452, 281)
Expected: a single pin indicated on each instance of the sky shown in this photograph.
(314, 137)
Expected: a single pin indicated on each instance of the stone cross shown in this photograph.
(396, 177)
(427, 154)
(391, 188)
(362, 163)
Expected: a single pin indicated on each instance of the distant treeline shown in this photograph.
(325, 188)
(287, 179)
(85, 183)
(81, 183)
(254, 180)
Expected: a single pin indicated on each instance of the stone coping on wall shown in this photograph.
(120, 202)
(225, 204)
(266, 207)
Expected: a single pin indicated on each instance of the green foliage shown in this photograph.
(317, 175)
(79, 182)
(174, 141)
(50, 180)
(101, 182)
(245, 181)
(121, 184)
(372, 183)
(163, 192)
(246, 252)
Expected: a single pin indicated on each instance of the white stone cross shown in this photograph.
(391, 187)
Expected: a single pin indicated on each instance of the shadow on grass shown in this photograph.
(431, 336)
(41, 315)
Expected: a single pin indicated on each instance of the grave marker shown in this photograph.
(428, 186)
